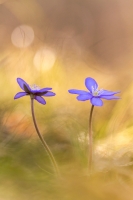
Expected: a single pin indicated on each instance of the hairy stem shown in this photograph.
(90, 140)
(43, 141)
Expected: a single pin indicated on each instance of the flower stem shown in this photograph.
(90, 140)
(43, 141)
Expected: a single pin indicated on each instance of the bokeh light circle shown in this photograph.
(22, 36)
(44, 59)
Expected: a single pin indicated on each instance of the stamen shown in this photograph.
(96, 91)
(96, 88)
(34, 87)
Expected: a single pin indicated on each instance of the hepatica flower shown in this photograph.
(36, 93)
(95, 95)
(33, 91)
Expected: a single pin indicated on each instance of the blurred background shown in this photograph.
(58, 44)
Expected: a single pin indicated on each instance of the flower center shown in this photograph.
(34, 87)
(96, 91)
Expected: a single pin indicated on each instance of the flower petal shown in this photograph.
(74, 91)
(96, 101)
(109, 97)
(106, 92)
(91, 83)
(49, 94)
(46, 93)
(40, 99)
(45, 89)
(23, 85)
(36, 92)
(41, 92)
(84, 97)
(20, 94)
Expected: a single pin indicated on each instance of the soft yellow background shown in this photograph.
(58, 44)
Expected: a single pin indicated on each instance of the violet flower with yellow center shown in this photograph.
(95, 95)
(36, 93)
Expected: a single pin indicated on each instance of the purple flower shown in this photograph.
(94, 94)
(34, 91)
